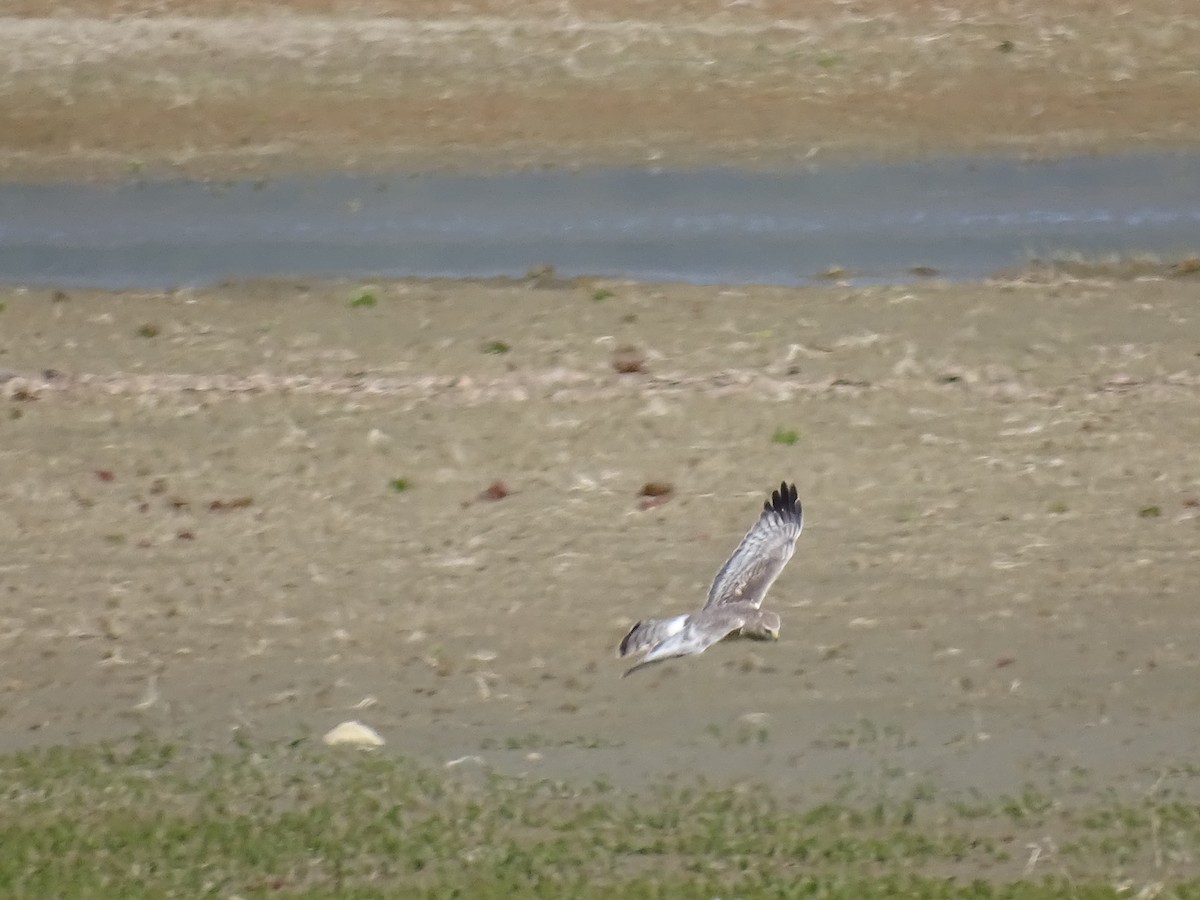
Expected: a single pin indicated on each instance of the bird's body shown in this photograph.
(734, 605)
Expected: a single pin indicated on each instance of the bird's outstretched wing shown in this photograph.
(748, 574)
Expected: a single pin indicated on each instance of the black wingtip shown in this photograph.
(785, 501)
(624, 646)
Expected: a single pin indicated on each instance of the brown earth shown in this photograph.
(99, 88)
(199, 532)
(996, 584)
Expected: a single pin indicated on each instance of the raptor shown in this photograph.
(734, 606)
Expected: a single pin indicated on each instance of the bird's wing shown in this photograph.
(700, 631)
(748, 574)
(648, 632)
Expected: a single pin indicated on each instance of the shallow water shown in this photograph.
(965, 218)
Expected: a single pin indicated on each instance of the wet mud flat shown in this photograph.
(263, 508)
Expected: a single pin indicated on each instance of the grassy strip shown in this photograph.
(142, 821)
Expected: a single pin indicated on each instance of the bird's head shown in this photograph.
(763, 627)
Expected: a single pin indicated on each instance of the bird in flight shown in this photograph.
(734, 606)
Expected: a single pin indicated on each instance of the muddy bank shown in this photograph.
(204, 532)
(100, 89)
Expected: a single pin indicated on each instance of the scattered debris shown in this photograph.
(497, 490)
(546, 278)
(1188, 266)
(656, 489)
(149, 696)
(654, 493)
(19, 389)
(105, 474)
(226, 505)
(481, 682)
(628, 361)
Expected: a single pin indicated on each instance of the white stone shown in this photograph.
(355, 733)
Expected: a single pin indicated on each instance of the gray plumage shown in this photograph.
(736, 596)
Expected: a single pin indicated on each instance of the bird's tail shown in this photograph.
(648, 632)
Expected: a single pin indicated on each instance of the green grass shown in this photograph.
(144, 819)
(399, 484)
(785, 436)
(364, 299)
(496, 347)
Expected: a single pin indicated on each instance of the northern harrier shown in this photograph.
(736, 596)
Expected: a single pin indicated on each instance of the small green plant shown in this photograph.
(1149, 512)
(3, 306)
(602, 294)
(148, 330)
(364, 298)
(399, 484)
(1058, 507)
(496, 347)
(784, 436)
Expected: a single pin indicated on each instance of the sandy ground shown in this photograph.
(199, 532)
(103, 88)
(996, 583)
